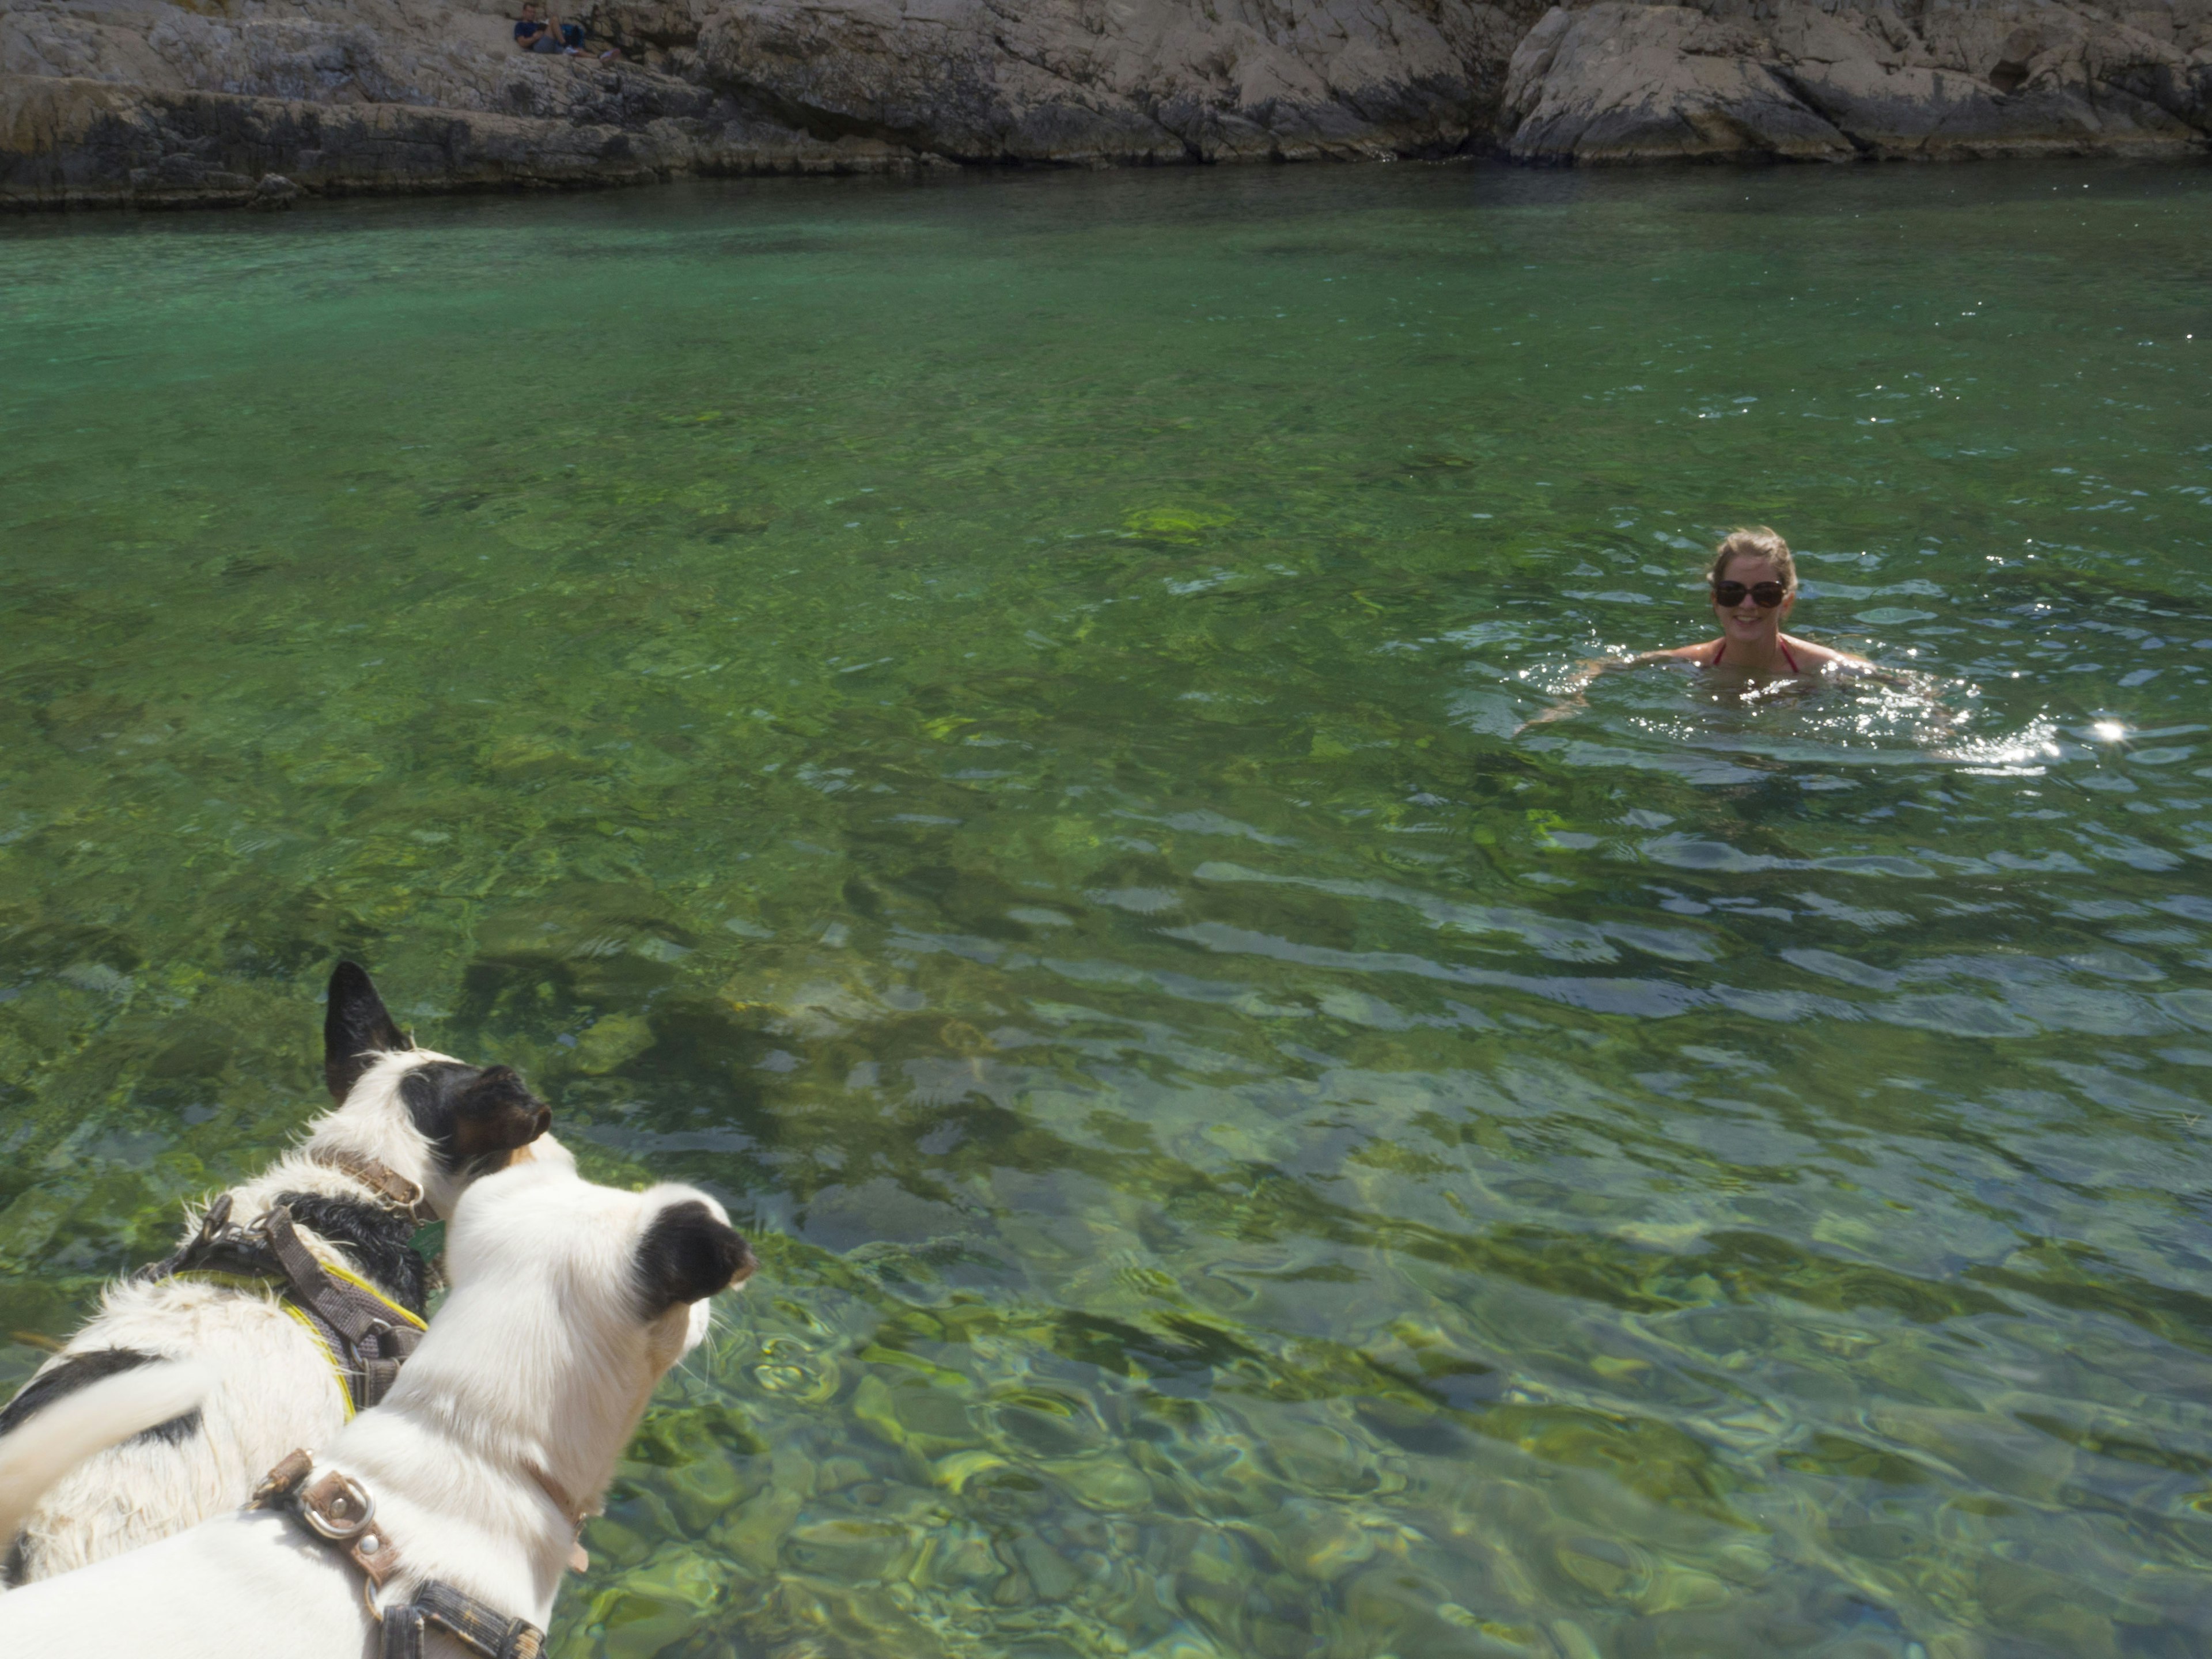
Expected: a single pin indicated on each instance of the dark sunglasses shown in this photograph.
(1766, 595)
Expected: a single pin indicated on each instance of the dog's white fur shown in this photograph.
(272, 1388)
(540, 1359)
(90, 1420)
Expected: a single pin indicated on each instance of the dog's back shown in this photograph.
(87, 1406)
(98, 1480)
(240, 1587)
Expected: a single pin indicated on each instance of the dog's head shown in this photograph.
(429, 1117)
(569, 1301)
(610, 1260)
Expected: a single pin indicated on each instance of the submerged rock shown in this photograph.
(145, 102)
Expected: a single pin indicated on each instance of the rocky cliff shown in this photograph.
(1801, 79)
(151, 102)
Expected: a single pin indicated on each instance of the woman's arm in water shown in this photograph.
(1570, 699)
(1926, 688)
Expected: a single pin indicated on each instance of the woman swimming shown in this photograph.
(1752, 582)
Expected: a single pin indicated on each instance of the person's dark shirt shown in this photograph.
(528, 29)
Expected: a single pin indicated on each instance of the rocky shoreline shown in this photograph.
(256, 102)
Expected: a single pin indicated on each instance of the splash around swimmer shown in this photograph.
(1752, 585)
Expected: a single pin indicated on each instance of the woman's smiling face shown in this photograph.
(1748, 621)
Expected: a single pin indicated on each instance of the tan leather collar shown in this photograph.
(394, 1188)
(575, 1513)
(337, 1508)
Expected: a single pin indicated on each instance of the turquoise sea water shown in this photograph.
(977, 722)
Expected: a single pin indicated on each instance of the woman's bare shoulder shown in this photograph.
(1697, 653)
(1827, 656)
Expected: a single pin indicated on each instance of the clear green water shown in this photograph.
(976, 721)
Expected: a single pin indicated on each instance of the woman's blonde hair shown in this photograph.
(1756, 543)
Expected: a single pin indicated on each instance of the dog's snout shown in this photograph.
(733, 1259)
(498, 1113)
(688, 1254)
(745, 1265)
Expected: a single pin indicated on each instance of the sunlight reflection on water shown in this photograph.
(978, 721)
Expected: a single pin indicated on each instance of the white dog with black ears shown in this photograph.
(298, 1290)
(455, 1504)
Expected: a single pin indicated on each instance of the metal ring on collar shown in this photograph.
(340, 1528)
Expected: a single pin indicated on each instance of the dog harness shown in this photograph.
(338, 1511)
(365, 1335)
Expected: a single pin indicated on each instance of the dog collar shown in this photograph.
(387, 1183)
(574, 1513)
(339, 1512)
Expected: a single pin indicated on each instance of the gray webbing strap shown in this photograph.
(374, 1344)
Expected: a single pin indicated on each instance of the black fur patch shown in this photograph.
(354, 1026)
(376, 1237)
(433, 1092)
(473, 1117)
(79, 1370)
(686, 1255)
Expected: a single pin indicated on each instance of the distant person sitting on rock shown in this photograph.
(535, 32)
(532, 33)
(1752, 585)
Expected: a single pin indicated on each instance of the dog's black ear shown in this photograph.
(496, 1114)
(686, 1254)
(354, 1026)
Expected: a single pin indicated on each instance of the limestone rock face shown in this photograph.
(150, 102)
(1103, 82)
(1792, 79)
(194, 101)
(146, 103)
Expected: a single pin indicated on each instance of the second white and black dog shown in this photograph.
(286, 1308)
(452, 1508)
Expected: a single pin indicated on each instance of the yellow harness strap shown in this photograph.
(312, 1325)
